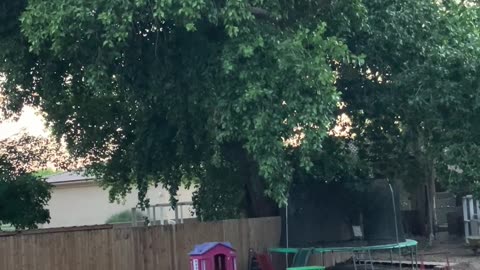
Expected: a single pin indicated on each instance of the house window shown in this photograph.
(204, 265)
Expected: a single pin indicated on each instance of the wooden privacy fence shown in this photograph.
(133, 248)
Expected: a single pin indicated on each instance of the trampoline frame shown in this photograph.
(410, 245)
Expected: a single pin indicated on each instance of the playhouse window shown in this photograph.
(195, 264)
(204, 265)
(220, 262)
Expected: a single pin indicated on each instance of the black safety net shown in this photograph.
(321, 214)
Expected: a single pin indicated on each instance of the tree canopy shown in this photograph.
(212, 93)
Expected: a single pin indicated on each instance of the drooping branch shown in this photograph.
(260, 13)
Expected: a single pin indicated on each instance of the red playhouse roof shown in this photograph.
(206, 247)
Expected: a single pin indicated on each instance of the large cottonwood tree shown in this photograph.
(161, 91)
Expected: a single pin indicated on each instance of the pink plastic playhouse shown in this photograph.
(213, 256)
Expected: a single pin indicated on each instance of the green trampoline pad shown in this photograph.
(407, 243)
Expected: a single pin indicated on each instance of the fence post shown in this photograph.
(176, 214)
(174, 236)
(154, 215)
(134, 216)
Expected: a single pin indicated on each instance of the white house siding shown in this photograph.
(85, 203)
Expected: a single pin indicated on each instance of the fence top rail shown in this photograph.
(113, 226)
(58, 230)
(169, 205)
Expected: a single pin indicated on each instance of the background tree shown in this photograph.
(23, 197)
(125, 217)
(24, 193)
(211, 92)
(415, 103)
(32, 154)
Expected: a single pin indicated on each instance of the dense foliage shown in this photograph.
(237, 96)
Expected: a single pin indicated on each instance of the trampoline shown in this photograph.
(374, 217)
(363, 254)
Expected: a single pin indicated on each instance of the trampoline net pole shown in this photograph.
(354, 260)
(411, 257)
(400, 257)
(394, 211)
(416, 257)
(286, 233)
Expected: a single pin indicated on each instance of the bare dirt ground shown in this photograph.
(460, 256)
(458, 252)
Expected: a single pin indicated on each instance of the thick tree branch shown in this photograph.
(260, 13)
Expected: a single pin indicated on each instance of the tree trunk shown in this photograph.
(431, 203)
(421, 206)
(257, 203)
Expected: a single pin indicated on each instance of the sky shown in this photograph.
(30, 121)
